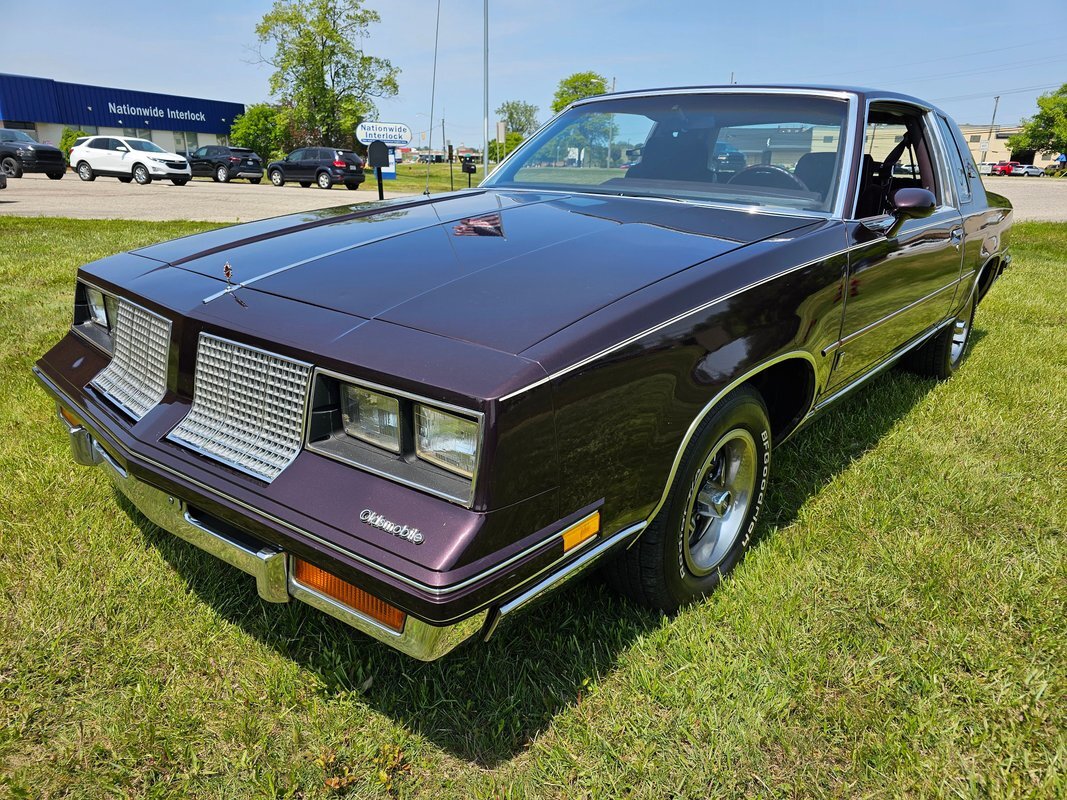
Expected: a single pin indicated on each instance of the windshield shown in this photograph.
(145, 146)
(18, 136)
(765, 150)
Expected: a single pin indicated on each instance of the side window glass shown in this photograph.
(897, 154)
(958, 163)
(296, 155)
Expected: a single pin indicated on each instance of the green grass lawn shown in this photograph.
(900, 628)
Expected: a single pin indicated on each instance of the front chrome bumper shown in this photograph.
(270, 567)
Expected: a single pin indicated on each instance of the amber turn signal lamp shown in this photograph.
(352, 596)
(68, 415)
(580, 532)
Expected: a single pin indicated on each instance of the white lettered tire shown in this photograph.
(711, 513)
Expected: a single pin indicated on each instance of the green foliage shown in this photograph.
(511, 141)
(262, 128)
(897, 631)
(577, 86)
(1046, 131)
(322, 77)
(66, 141)
(520, 117)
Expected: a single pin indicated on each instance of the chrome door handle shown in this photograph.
(956, 236)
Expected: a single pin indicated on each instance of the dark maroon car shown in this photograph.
(419, 416)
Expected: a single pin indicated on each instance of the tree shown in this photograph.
(511, 141)
(1046, 131)
(262, 128)
(520, 117)
(577, 86)
(322, 76)
(66, 141)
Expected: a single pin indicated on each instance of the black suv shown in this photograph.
(226, 163)
(20, 152)
(322, 165)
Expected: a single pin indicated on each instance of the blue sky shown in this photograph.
(956, 54)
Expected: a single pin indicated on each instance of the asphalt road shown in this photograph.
(240, 201)
(106, 198)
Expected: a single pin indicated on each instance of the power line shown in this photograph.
(978, 95)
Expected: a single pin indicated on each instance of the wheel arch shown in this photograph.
(786, 409)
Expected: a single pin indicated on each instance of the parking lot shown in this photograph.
(105, 198)
(240, 201)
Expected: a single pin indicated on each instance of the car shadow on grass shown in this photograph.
(487, 701)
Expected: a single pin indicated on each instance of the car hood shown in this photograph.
(502, 270)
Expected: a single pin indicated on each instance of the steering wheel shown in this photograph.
(769, 176)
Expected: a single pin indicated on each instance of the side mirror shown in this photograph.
(914, 203)
(122, 149)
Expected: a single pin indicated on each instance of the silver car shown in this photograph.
(1028, 169)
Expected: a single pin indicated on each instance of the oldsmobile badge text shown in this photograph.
(376, 520)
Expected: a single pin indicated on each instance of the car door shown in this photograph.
(292, 165)
(198, 161)
(902, 284)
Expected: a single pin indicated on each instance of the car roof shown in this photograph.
(861, 92)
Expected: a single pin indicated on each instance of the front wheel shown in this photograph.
(711, 510)
(140, 174)
(222, 175)
(179, 181)
(254, 180)
(305, 184)
(55, 176)
(126, 179)
(352, 186)
(11, 167)
(277, 178)
(85, 172)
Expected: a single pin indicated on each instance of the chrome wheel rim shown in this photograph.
(324, 182)
(140, 174)
(221, 174)
(719, 501)
(83, 171)
(276, 178)
(961, 332)
(8, 167)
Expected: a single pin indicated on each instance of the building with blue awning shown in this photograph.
(44, 107)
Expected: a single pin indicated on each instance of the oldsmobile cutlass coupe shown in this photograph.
(419, 416)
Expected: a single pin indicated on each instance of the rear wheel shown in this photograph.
(324, 180)
(11, 167)
(179, 181)
(55, 176)
(305, 184)
(85, 172)
(277, 178)
(711, 511)
(140, 174)
(222, 175)
(254, 180)
(942, 355)
(352, 186)
(125, 180)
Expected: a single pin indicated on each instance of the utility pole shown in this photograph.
(989, 139)
(485, 120)
(444, 146)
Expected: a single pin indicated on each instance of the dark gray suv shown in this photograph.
(322, 165)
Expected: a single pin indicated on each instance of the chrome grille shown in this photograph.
(248, 407)
(136, 378)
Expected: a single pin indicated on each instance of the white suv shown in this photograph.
(127, 159)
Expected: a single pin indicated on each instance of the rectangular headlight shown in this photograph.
(94, 299)
(446, 440)
(370, 416)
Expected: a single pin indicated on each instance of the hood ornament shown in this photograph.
(227, 272)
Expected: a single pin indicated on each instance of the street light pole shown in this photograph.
(485, 120)
(989, 139)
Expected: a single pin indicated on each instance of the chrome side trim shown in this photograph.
(258, 512)
(478, 416)
(867, 328)
(647, 332)
(556, 580)
(888, 361)
(803, 354)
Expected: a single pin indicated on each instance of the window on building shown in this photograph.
(137, 133)
(222, 139)
(976, 137)
(828, 139)
(21, 126)
(185, 141)
(91, 130)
